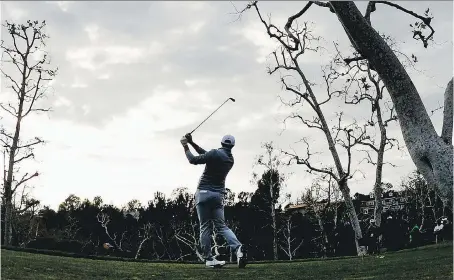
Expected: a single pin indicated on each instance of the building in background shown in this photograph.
(364, 203)
(392, 201)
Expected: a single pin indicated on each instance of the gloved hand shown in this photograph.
(188, 137)
(184, 141)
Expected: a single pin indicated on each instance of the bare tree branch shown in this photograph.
(305, 161)
(24, 157)
(24, 179)
(14, 114)
(417, 34)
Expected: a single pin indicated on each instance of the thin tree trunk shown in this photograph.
(322, 229)
(275, 252)
(350, 209)
(423, 209)
(289, 241)
(36, 232)
(273, 211)
(140, 247)
(378, 190)
(9, 179)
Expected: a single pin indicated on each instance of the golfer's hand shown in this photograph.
(184, 141)
(188, 137)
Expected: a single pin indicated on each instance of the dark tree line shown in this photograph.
(167, 227)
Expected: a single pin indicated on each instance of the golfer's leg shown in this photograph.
(204, 215)
(221, 227)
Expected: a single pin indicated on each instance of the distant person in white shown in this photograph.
(438, 230)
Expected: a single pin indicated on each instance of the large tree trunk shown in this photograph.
(431, 154)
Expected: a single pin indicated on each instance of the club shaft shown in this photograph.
(210, 115)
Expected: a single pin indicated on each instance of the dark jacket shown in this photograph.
(218, 163)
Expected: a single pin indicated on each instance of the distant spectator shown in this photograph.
(438, 231)
(415, 236)
(373, 234)
(447, 229)
(389, 230)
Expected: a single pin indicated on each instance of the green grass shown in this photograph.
(431, 262)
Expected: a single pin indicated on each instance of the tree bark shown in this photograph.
(8, 223)
(431, 155)
(446, 132)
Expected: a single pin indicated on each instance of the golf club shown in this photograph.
(213, 113)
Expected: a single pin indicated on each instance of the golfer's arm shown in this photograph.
(197, 148)
(201, 159)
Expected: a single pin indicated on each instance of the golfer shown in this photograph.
(209, 197)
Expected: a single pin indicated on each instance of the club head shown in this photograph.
(233, 99)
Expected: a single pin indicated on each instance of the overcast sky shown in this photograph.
(136, 76)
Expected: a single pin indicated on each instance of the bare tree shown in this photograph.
(288, 245)
(28, 78)
(104, 220)
(323, 200)
(234, 226)
(420, 196)
(71, 228)
(295, 42)
(368, 87)
(145, 233)
(187, 233)
(288, 59)
(274, 180)
(216, 245)
(431, 153)
(27, 224)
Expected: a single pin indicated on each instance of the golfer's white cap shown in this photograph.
(228, 140)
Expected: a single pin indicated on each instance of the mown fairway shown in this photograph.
(432, 262)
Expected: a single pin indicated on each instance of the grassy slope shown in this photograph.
(433, 262)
